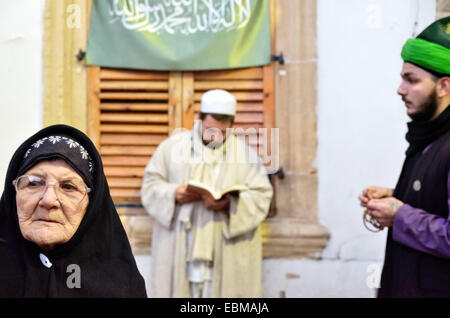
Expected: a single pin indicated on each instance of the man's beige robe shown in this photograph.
(232, 242)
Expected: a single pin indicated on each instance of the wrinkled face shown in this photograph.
(52, 216)
(214, 132)
(418, 91)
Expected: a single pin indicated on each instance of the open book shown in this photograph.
(217, 194)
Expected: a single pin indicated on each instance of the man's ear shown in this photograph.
(443, 86)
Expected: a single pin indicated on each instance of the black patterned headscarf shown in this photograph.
(100, 247)
(63, 147)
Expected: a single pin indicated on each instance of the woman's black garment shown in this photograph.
(96, 262)
(408, 272)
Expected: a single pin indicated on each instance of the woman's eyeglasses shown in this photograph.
(68, 190)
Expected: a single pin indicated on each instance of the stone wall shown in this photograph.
(442, 8)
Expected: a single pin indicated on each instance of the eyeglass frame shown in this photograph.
(15, 183)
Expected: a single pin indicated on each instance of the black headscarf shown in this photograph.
(99, 250)
(63, 147)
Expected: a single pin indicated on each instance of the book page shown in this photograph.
(217, 195)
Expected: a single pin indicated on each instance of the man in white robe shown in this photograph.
(203, 247)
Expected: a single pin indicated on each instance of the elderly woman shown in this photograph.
(60, 235)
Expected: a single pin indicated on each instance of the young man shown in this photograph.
(204, 247)
(417, 261)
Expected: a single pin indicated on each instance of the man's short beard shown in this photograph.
(428, 108)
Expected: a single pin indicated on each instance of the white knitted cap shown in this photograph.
(218, 101)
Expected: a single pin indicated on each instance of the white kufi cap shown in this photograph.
(218, 101)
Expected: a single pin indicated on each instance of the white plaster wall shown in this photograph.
(21, 32)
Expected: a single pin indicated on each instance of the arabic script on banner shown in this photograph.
(183, 17)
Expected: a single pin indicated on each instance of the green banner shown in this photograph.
(179, 34)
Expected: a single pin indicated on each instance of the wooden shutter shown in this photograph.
(252, 87)
(130, 113)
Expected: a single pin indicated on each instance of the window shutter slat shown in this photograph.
(127, 150)
(124, 172)
(157, 96)
(229, 85)
(126, 161)
(134, 113)
(124, 182)
(254, 73)
(134, 128)
(125, 195)
(137, 107)
(134, 118)
(132, 139)
(134, 85)
(121, 74)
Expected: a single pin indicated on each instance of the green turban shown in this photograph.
(431, 49)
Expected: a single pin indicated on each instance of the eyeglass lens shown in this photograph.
(71, 189)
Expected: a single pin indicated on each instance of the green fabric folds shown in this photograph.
(428, 55)
(179, 34)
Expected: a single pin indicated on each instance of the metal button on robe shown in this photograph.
(417, 185)
(45, 261)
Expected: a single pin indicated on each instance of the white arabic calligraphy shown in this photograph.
(181, 16)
